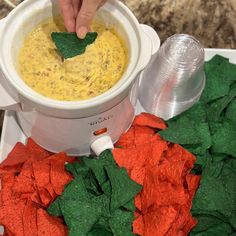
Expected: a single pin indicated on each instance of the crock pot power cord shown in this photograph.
(9, 3)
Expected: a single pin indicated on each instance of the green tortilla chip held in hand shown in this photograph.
(69, 45)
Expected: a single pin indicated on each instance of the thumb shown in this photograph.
(85, 16)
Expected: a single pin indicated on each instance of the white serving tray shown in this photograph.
(12, 133)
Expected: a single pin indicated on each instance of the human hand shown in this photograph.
(78, 14)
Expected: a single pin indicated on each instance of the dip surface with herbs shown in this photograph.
(78, 78)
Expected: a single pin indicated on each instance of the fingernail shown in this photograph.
(82, 32)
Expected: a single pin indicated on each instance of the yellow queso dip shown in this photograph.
(77, 78)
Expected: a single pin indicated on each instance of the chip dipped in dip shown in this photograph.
(81, 77)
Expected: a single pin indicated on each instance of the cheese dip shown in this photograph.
(77, 78)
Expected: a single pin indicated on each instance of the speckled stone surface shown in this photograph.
(213, 22)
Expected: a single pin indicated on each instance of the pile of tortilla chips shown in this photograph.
(100, 199)
(163, 169)
(31, 178)
(208, 130)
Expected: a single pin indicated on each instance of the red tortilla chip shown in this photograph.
(126, 139)
(29, 219)
(193, 182)
(173, 172)
(176, 152)
(191, 223)
(51, 191)
(23, 184)
(48, 225)
(143, 135)
(182, 218)
(158, 148)
(14, 169)
(161, 193)
(36, 151)
(27, 169)
(36, 198)
(137, 174)
(45, 196)
(7, 182)
(146, 119)
(18, 155)
(41, 170)
(7, 232)
(138, 201)
(58, 176)
(11, 217)
(62, 157)
(138, 225)
(125, 157)
(159, 222)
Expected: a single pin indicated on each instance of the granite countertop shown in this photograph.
(212, 22)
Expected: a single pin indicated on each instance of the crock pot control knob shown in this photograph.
(101, 144)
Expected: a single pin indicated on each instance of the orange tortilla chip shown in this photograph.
(159, 222)
(158, 148)
(23, 184)
(17, 156)
(29, 219)
(143, 135)
(58, 176)
(7, 182)
(137, 174)
(45, 196)
(138, 225)
(126, 139)
(36, 151)
(11, 217)
(146, 119)
(41, 171)
(138, 201)
(48, 225)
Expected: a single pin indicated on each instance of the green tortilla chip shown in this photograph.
(123, 188)
(206, 222)
(120, 222)
(69, 45)
(80, 216)
(224, 139)
(181, 131)
(229, 70)
(99, 230)
(77, 169)
(97, 167)
(215, 109)
(55, 209)
(221, 229)
(130, 206)
(216, 86)
(231, 111)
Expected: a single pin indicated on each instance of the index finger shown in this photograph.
(68, 14)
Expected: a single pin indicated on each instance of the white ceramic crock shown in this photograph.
(61, 118)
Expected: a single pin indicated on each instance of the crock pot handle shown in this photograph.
(1, 24)
(7, 101)
(153, 36)
(101, 144)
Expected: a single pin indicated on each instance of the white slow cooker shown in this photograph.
(82, 126)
